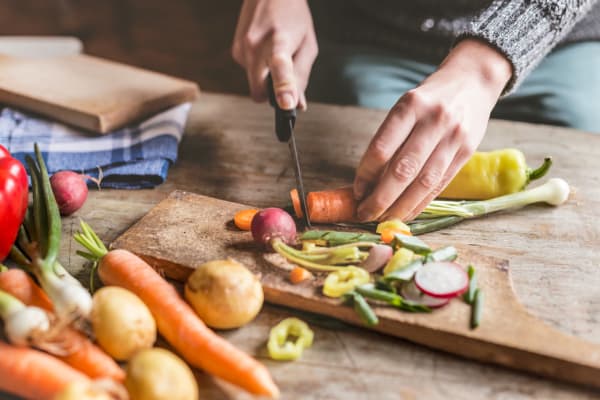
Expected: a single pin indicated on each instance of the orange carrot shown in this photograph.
(299, 274)
(328, 206)
(178, 323)
(83, 355)
(387, 235)
(243, 219)
(34, 375)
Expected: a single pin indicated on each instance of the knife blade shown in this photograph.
(284, 129)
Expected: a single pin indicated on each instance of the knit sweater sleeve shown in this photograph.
(525, 30)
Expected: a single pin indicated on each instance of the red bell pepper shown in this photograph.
(13, 200)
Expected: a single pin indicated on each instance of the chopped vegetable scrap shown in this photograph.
(243, 219)
(288, 339)
(299, 274)
(405, 273)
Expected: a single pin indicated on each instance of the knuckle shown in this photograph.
(379, 151)
(250, 42)
(430, 178)
(406, 168)
(413, 97)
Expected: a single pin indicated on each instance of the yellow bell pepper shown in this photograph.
(344, 280)
(492, 174)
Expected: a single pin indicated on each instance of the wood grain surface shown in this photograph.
(89, 92)
(186, 230)
(230, 152)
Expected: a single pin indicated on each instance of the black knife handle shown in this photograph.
(284, 119)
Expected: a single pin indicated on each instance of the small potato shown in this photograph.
(82, 391)
(121, 322)
(158, 374)
(224, 293)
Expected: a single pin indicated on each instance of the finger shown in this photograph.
(457, 163)
(243, 38)
(302, 105)
(304, 59)
(285, 86)
(389, 137)
(426, 186)
(404, 167)
(257, 73)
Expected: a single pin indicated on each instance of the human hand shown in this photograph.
(430, 133)
(276, 36)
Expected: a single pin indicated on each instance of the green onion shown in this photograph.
(397, 301)
(440, 214)
(477, 309)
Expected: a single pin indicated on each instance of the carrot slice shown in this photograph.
(243, 218)
(328, 206)
(299, 274)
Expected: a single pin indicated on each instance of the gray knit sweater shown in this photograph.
(523, 30)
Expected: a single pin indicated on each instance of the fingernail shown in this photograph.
(365, 214)
(359, 189)
(286, 101)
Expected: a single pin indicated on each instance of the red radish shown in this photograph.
(70, 190)
(442, 279)
(379, 255)
(412, 293)
(271, 224)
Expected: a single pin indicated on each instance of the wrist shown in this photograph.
(481, 61)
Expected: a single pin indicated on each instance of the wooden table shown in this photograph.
(230, 152)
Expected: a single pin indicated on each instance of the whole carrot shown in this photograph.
(34, 375)
(328, 206)
(82, 354)
(176, 320)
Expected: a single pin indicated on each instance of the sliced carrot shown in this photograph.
(387, 235)
(328, 206)
(243, 219)
(34, 375)
(299, 274)
(181, 327)
(83, 355)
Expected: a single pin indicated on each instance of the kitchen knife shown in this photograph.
(284, 128)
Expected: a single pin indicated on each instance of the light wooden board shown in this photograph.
(186, 230)
(89, 92)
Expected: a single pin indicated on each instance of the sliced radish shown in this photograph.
(442, 279)
(412, 293)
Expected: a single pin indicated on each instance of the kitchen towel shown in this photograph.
(134, 157)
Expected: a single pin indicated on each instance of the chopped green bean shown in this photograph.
(412, 243)
(447, 253)
(469, 296)
(477, 309)
(363, 309)
(404, 274)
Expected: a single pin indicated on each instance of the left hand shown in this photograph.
(430, 133)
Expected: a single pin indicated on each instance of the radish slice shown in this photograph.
(442, 279)
(412, 293)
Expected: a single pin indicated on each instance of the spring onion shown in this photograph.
(24, 325)
(38, 244)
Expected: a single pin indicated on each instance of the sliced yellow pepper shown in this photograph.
(344, 280)
(394, 225)
(401, 258)
(281, 347)
(492, 174)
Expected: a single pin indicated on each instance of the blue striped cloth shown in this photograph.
(135, 157)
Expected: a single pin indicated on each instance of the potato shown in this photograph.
(158, 374)
(82, 391)
(224, 293)
(121, 322)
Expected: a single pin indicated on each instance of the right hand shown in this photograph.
(276, 36)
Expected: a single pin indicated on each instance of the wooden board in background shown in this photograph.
(186, 230)
(89, 92)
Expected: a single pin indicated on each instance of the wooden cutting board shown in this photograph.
(89, 92)
(186, 230)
